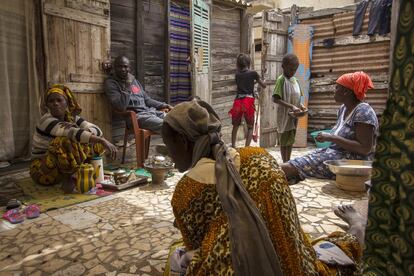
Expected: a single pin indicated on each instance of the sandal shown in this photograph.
(32, 211)
(13, 216)
(13, 203)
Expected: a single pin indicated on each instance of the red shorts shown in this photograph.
(243, 107)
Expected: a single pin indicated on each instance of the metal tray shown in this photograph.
(135, 182)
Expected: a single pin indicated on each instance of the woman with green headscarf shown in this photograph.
(63, 140)
(235, 210)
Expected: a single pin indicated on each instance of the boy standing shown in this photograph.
(287, 96)
(243, 105)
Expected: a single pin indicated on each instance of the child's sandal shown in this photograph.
(13, 216)
(32, 211)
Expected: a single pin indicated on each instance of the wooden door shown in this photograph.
(274, 41)
(77, 39)
(201, 62)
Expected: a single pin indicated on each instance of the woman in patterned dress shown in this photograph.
(353, 137)
(63, 141)
(235, 210)
(389, 239)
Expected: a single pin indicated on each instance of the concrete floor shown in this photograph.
(129, 233)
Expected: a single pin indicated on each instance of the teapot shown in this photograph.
(85, 177)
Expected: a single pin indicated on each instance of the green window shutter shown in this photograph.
(201, 27)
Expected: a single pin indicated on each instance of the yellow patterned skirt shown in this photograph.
(64, 157)
(204, 226)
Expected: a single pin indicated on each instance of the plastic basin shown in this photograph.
(319, 144)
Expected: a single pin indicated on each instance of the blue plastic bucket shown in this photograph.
(319, 144)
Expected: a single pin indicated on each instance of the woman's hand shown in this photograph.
(324, 137)
(110, 147)
(67, 125)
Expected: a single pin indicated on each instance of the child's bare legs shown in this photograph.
(249, 135)
(234, 135)
(285, 152)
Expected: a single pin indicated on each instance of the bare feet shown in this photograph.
(354, 219)
(68, 185)
(348, 214)
(292, 174)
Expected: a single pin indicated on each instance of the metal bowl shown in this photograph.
(350, 167)
(298, 114)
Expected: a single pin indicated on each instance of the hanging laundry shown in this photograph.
(359, 17)
(379, 17)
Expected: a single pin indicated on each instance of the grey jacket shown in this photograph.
(130, 95)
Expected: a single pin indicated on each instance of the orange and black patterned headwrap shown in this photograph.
(73, 106)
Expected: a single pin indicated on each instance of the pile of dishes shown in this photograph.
(351, 175)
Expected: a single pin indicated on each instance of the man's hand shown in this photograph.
(166, 108)
(107, 66)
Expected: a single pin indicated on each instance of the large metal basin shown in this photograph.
(350, 167)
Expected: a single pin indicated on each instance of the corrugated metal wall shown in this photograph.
(336, 52)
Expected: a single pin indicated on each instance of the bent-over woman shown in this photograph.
(63, 140)
(235, 210)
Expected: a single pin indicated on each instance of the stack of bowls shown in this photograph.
(351, 175)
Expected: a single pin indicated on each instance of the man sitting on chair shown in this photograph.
(126, 93)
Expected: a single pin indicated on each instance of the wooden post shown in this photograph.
(192, 65)
(139, 38)
(167, 59)
(40, 51)
(244, 32)
(294, 14)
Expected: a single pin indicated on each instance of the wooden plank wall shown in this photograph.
(124, 41)
(225, 46)
(123, 26)
(275, 29)
(347, 54)
(154, 21)
(76, 42)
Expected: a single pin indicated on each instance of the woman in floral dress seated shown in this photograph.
(353, 137)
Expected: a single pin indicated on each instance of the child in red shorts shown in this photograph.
(243, 105)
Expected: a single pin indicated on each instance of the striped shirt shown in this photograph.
(50, 127)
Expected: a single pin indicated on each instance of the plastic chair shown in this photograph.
(142, 136)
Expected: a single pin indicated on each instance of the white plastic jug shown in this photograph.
(97, 162)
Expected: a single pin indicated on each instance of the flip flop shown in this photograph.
(13, 216)
(32, 211)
